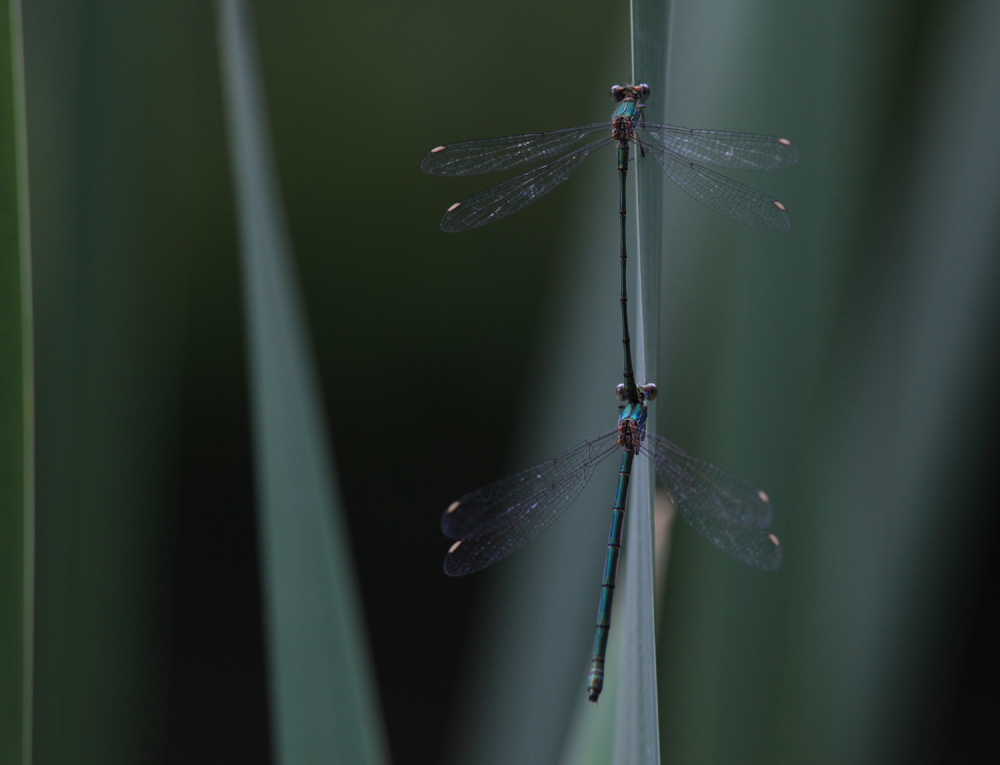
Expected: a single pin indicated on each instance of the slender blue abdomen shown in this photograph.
(595, 681)
(634, 418)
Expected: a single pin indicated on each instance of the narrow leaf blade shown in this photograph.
(323, 695)
(16, 406)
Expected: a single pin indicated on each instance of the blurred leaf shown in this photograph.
(836, 366)
(323, 695)
(16, 405)
(111, 226)
(590, 737)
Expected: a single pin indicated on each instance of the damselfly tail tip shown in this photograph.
(595, 681)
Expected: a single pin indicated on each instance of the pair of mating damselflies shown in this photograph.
(734, 515)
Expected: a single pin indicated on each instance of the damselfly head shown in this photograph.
(633, 92)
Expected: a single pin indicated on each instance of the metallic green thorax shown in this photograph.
(629, 108)
(635, 413)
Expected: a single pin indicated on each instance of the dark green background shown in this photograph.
(148, 611)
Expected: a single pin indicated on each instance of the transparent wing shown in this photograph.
(496, 520)
(730, 512)
(490, 155)
(743, 151)
(510, 196)
(722, 194)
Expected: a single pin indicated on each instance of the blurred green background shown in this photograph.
(849, 367)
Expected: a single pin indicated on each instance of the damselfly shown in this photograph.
(496, 520)
(678, 151)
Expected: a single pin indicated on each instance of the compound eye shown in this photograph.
(620, 392)
(649, 391)
(616, 92)
(644, 89)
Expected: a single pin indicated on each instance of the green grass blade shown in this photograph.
(650, 42)
(324, 703)
(842, 367)
(590, 738)
(16, 406)
(637, 738)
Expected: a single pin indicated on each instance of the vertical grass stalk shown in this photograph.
(16, 405)
(637, 740)
(323, 698)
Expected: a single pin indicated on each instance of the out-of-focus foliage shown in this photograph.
(847, 368)
(844, 366)
(16, 405)
(323, 704)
